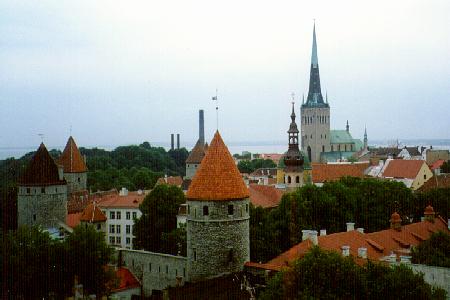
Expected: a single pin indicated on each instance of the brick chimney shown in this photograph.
(360, 229)
(396, 221)
(323, 232)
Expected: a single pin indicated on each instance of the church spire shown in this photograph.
(315, 97)
(365, 138)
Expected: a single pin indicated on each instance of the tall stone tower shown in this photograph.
(75, 170)
(198, 152)
(218, 219)
(42, 193)
(315, 113)
(293, 159)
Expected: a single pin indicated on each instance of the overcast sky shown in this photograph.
(129, 71)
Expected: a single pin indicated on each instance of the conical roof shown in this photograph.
(42, 170)
(197, 153)
(71, 158)
(217, 177)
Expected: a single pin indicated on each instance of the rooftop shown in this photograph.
(71, 158)
(264, 195)
(341, 137)
(170, 180)
(197, 153)
(403, 168)
(130, 200)
(217, 178)
(92, 214)
(332, 172)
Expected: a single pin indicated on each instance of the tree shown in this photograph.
(445, 168)
(248, 166)
(328, 275)
(159, 210)
(434, 252)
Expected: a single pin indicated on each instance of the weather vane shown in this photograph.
(214, 98)
(293, 97)
(41, 135)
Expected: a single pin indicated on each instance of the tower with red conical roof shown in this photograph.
(42, 192)
(75, 170)
(218, 216)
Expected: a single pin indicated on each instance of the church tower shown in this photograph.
(218, 216)
(366, 146)
(42, 192)
(293, 159)
(75, 170)
(315, 113)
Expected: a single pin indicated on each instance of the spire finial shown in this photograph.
(303, 98)
(347, 127)
(314, 59)
(41, 135)
(293, 110)
(214, 98)
(326, 96)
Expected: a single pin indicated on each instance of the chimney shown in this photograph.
(171, 141)
(350, 226)
(361, 230)
(201, 126)
(429, 213)
(313, 237)
(305, 234)
(178, 141)
(396, 221)
(323, 232)
(60, 172)
(345, 250)
(123, 192)
(405, 259)
(362, 252)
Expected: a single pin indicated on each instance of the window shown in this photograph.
(230, 209)
(28, 190)
(184, 272)
(159, 269)
(118, 228)
(167, 269)
(112, 215)
(127, 229)
(246, 207)
(332, 148)
(289, 179)
(150, 267)
(176, 272)
(128, 240)
(128, 215)
(111, 240)
(195, 212)
(323, 148)
(189, 209)
(425, 176)
(205, 210)
(111, 229)
(56, 190)
(297, 179)
(311, 135)
(118, 215)
(43, 190)
(134, 215)
(194, 254)
(34, 217)
(118, 240)
(230, 255)
(325, 136)
(99, 226)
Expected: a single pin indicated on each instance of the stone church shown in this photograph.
(319, 143)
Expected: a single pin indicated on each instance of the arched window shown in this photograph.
(205, 210)
(289, 179)
(297, 179)
(309, 153)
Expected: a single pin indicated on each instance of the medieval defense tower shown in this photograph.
(42, 192)
(75, 171)
(315, 114)
(218, 216)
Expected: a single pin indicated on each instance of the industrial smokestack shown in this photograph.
(201, 127)
(178, 141)
(171, 141)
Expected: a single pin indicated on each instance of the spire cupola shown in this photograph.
(293, 156)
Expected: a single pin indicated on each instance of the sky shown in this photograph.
(123, 72)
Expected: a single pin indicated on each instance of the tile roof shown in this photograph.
(378, 244)
(437, 181)
(170, 180)
(264, 195)
(77, 201)
(197, 153)
(331, 172)
(413, 151)
(437, 164)
(73, 219)
(403, 168)
(71, 158)
(92, 214)
(264, 172)
(217, 178)
(132, 200)
(126, 280)
(41, 171)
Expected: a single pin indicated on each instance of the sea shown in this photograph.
(239, 147)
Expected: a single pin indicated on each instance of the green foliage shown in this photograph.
(154, 229)
(434, 252)
(37, 265)
(328, 275)
(445, 168)
(248, 166)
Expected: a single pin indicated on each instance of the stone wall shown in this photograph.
(156, 271)
(42, 205)
(190, 170)
(315, 131)
(217, 243)
(76, 182)
(435, 276)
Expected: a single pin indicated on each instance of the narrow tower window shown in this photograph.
(205, 210)
(297, 179)
(230, 210)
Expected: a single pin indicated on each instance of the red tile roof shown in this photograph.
(41, 171)
(264, 195)
(437, 164)
(132, 200)
(378, 244)
(126, 280)
(71, 158)
(197, 153)
(437, 181)
(217, 178)
(170, 180)
(332, 172)
(403, 168)
(92, 214)
(73, 219)
(77, 201)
